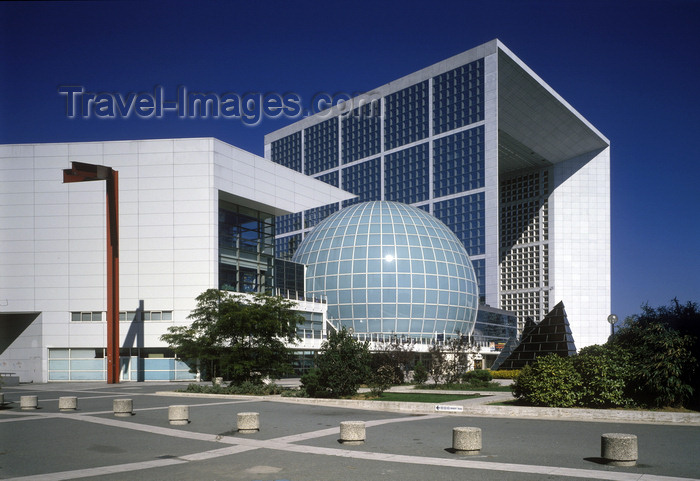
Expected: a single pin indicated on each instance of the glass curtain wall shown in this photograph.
(246, 249)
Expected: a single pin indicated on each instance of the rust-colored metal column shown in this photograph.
(81, 172)
(113, 366)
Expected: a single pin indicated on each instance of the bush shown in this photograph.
(343, 364)
(477, 376)
(311, 384)
(381, 380)
(550, 381)
(420, 373)
(249, 388)
(505, 374)
(662, 361)
(605, 373)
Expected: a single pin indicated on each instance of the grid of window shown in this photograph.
(524, 249)
(286, 246)
(138, 316)
(363, 180)
(391, 268)
(316, 215)
(246, 249)
(289, 278)
(466, 217)
(407, 115)
(321, 146)
(480, 271)
(86, 316)
(494, 329)
(458, 97)
(361, 132)
(458, 162)
(406, 175)
(330, 178)
(287, 151)
(288, 223)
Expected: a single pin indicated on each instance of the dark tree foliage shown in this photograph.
(664, 354)
(394, 358)
(237, 337)
(342, 366)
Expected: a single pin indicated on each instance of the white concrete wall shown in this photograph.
(580, 245)
(52, 235)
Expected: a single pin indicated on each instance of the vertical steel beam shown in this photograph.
(81, 172)
(113, 367)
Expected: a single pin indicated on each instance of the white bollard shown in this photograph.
(67, 403)
(352, 433)
(619, 449)
(248, 423)
(28, 402)
(123, 407)
(466, 440)
(179, 414)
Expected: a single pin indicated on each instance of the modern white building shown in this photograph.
(485, 145)
(194, 214)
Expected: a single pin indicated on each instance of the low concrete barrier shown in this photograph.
(123, 407)
(179, 414)
(28, 402)
(619, 449)
(352, 432)
(248, 423)
(67, 403)
(466, 440)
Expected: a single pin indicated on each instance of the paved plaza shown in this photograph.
(298, 441)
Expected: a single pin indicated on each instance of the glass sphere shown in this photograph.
(391, 268)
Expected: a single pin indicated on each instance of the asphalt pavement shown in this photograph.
(298, 439)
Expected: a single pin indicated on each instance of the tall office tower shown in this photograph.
(485, 145)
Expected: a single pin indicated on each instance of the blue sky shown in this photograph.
(630, 67)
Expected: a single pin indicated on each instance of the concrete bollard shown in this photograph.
(218, 381)
(352, 432)
(466, 440)
(67, 403)
(248, 423)
(179, 414)
(28, 402)
(123, 407)
(619, 449)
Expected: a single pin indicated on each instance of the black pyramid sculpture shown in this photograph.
(552, 334)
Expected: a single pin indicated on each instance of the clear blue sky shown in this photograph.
(632, 68)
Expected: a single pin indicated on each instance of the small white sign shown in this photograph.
(449, 408)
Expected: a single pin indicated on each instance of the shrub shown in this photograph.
(420, 373)
(247, 387)
(662, 361)
(505, 374)
(311, 384)
(477, 375)
(343, 364)
(381, 380)
(605, 373)
(550, 381)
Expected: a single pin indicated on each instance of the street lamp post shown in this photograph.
(612, 319)
(81, 172)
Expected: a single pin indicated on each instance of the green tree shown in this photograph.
(551, 381)
(241, 338)
(420, 373)
(605, 373)
(394, 356)
(343, 364)
(661, 348)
